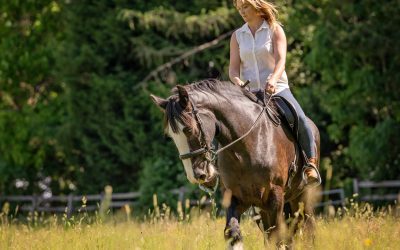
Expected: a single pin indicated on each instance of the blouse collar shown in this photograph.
(245, 28)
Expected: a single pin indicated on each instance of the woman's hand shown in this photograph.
(270, 87)
(237, 81)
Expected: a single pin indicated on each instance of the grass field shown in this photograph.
(359, 228)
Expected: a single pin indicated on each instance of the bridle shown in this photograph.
(207, 150)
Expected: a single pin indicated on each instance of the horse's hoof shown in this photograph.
(233, 236)
(232, 232)
(237, 246)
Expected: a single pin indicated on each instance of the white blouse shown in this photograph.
(257, 57)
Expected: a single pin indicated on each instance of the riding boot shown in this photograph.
(311, 173)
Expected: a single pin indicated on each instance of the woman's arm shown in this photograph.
(234, 61)
(280, 47)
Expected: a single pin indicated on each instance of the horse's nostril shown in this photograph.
(202, 177)
(200, 174)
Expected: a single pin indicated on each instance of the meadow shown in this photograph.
(357, 227)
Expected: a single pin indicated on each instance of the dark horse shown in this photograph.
(254, 170)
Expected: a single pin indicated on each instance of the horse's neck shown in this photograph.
(235, 115)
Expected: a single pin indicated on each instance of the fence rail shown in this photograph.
(339, 198)
(68, 203)
(361, 187)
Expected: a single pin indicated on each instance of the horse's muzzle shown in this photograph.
(200, 175)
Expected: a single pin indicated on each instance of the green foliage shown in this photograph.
(160, 176)
(30, 98)
(115, 131)
(69, 108)
(351, 48)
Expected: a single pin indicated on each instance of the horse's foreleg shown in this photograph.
(272, 217)
(232, 230)
(308, 198)
(303, 214)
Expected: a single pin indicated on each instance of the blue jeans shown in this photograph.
(306, 138)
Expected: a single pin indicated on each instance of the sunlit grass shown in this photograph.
(357, 227)
(201, 233)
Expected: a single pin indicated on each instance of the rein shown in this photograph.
(246, 134)
(240, 138)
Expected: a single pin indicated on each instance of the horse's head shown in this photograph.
(192, 129)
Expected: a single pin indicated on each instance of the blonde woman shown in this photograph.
(258, 54)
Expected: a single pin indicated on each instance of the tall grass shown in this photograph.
(355, 227)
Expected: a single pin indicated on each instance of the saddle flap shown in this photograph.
(288, 113)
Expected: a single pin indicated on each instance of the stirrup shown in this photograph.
(319, 180)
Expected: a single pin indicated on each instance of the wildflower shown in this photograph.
(367, 242)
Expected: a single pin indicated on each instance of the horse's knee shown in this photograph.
(233, 210)
(309, 223)
(275, 199)
(303, 215)
(273, 218)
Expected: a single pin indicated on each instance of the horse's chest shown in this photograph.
(244, 162)
(248, 180)
(251, 194)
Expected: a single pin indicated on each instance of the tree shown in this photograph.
(115, 131)
(30, 97)
(350, 48)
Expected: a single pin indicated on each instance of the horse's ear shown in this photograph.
(183, 96)
(160, 102)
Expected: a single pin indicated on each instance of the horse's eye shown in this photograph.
(187, 130)
(167, 138)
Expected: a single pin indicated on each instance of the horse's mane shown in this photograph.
(174, 112)
(215, 86)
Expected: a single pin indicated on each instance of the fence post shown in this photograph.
(355, 186)
(34, 203)
(181, 194)
(342, 199)
(70, 205)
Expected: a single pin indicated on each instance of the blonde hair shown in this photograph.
(268, 10)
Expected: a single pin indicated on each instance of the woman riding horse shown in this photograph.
(258, 54)
(255, 158)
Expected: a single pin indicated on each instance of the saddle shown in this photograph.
(288, 114)
(279, 108)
